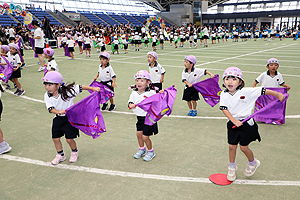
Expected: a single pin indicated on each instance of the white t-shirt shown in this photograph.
(267, 80)
(136, 98)
(52, 65)
(11, 32)
(39, 43)
(194, 76)
(205, 32)
(87, 40)
(106, 74)
(64, 39)
(70, 43)
(14, 59)
(241, 103)
(58, 103)
(156, 72)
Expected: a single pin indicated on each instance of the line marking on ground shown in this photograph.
(131, 113)
(144, 176)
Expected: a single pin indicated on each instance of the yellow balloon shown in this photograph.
(9, 11)
(28, 19)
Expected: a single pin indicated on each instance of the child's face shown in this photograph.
(3, 51)
(231, 83)
(52, 88)
(273, 67)
(46, 56)
(188, 64)
(12, 50)
(141, 84)
(150, 59)
(104, 61)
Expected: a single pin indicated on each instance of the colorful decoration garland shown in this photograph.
(159, 19)
(18, 11)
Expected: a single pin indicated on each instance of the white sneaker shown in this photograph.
(74, 156)
(41, 69)
(231, 173)
(250, 170)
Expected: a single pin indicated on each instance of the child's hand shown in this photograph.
(113, 85)
(280, 97)
(95, 78)
(161, 91)
(132, 105)
(15, 69)
(288, 88)
(96, 89)
(61, 112)
(238, 123)
(190, 85)
(212, 76)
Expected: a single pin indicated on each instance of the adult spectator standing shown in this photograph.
(39, 43)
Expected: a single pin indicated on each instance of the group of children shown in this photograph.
(59, 97)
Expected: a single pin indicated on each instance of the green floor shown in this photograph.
(185, 147)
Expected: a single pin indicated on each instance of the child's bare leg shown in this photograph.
(247, 152)
(232, 153)
(189, 103)
(111, 100)
(194, 104)
(1, 136)
(71, 143)
(57, 144)
(147, 142)
(139, 135)
(16, 81)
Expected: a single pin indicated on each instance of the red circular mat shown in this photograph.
(219, 179)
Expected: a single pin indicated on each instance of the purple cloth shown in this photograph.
(158, 105)
(45, 70)
(86, 115)
(19, 45)
(278, 110)
(67, 53)
(105, 92)
(210, 90)
(270, 111)
(32, 42)
(83, 45)
(6, 71)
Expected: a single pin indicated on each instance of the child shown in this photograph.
(4, 146)
(79, 40)
(70, 44)
(125, 43)
(116, 45)
(191, 75)
(64, 41)
(271, 78)
(14, 59)
(107, 77)
(58, 98)
(161, 38)
(153, 35)
(87, 42)
(157, 72)
(175, 40)
(98, 41)
(146, 41)
(52, 65)
(142, 91)
(136, 41)
(4, 52)
(237, 103)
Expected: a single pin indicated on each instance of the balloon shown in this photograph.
(23, 13)
(10, 11)
(2, 10)
(12, 6)
(28, 19)
(30, 26)
(6, 6)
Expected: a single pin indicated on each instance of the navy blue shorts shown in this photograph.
(62, 127)
(147, 130)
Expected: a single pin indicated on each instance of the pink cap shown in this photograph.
(87, 34)
(62, 34)
(142, 74)
(152, 53)
(273, 60)
(53, 77)
(69, 36)
(14, 46)
(105, 54)
(5, 47)
(233, 71)
(191, 58)
(49, 51)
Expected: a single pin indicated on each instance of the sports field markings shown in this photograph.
(144, 176)
(131, 113)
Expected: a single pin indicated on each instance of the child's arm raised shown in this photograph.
(278, 95)
(210, 74)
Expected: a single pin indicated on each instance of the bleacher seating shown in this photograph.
(107, 18)
(7, 20)
(93, 18)
(39, 13)
(118, 18)
(140, 18)
(132, 20)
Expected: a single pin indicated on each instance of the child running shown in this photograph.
(4, 146)
(107, 77)
(15, 60)
(237, 103)
(87, 43)
(271, 78)
(70, 44)
(157, 72)
(52, 65)
(191, 75)
(58, 98)
(142, 91)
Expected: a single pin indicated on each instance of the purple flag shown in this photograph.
(19, 45)
(67, 53)
(210, 90)
(270, 111)
(279, 110)
(83, 45)
(105, 92)
(86, 115)
(32, 42)
(158, 105)
(6, 71)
